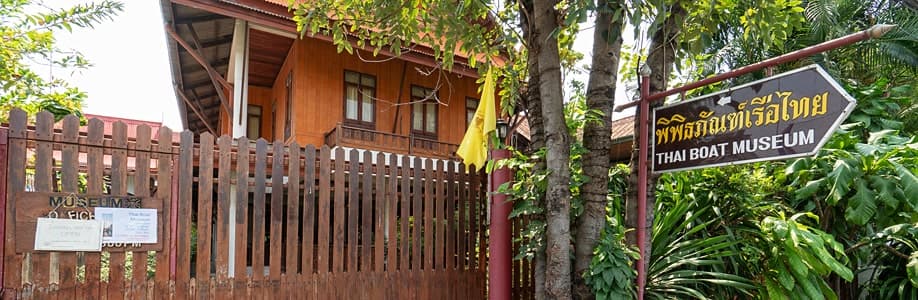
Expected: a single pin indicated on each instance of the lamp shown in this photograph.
(502, 127)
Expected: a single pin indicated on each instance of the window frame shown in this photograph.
(288, 118)
(259, 117)
(472, 110)
(423, 133)
(360, 99)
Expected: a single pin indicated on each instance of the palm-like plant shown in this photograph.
(686, 260)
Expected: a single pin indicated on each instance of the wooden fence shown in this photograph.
(240, 219)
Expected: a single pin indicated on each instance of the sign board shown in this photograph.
(30, 206)
(783, 116)
(68, 235)
(127, 225)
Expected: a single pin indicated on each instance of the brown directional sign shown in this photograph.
(784, 116)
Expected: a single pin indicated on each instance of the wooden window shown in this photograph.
(288, 109)
(253, 122)
(424, 112)
(471, 105)
(359, 95)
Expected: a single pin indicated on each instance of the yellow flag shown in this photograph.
(474, 146)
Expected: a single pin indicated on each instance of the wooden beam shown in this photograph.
(197, 101)
(202, 18)
(188, 103)
(218, 81)
(215, 64)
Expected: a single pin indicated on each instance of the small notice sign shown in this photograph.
(68, 235)
(127, 225)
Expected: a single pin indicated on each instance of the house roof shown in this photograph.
(623, 129)
(207, 26)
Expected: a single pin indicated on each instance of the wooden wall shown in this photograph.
(318, 72)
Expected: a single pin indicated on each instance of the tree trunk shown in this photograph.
(536, 130)
(557, 156)
(597, 139)
(660, 60)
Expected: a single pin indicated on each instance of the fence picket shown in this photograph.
(119, 188)
(292, 226)
(416, 206)
(94, 185)
(41, 261)
(338, 234)
(137, 289)
(309, 211)
(242, 238)
(353, 210)
(69, 184)
(258, 213)
(205, 215)
(392, 215)
(366, 219)
(183, 237)
(404, 215)
(379, 210)
(324, 219)
(223, 222)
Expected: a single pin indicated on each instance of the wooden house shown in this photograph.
(240, 68)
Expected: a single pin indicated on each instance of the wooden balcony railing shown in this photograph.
(361, 138)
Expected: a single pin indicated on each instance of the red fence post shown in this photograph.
(3, 165)
(501, 256)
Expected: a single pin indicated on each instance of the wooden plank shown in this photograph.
(183, 235)
(461, 230)
(241, 221)
(276, 239)
(339, 215)
(473, 219)
(366, 220)
(41, 267)
(440, 216)
(427, 204)
(12, 262)
(380, 212)
(353, 210)
(309, 210)
(416, 213)
(137, 288)
(293, 209)
(450, 216)
(94, 185)
(391, 217)
(119, 188)
(69, 184)
(205, 213)
(224, 190)
(258, 212)
(324, 219)
(404, 215)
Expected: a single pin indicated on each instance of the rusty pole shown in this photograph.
(500, 251)
(643, 119)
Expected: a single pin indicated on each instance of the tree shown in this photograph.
(27, 43)
(607, 46)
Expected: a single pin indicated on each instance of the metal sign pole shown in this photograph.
(644, 117)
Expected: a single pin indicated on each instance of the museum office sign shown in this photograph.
(784, 116)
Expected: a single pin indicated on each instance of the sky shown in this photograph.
(131, 78)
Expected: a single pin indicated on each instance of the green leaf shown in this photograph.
(861, 206)
(876, 136)
(912, 268)
(809, 189)
(887, 191)
(840, 178)
(909, 184)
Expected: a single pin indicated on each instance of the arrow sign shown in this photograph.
(788, 115)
